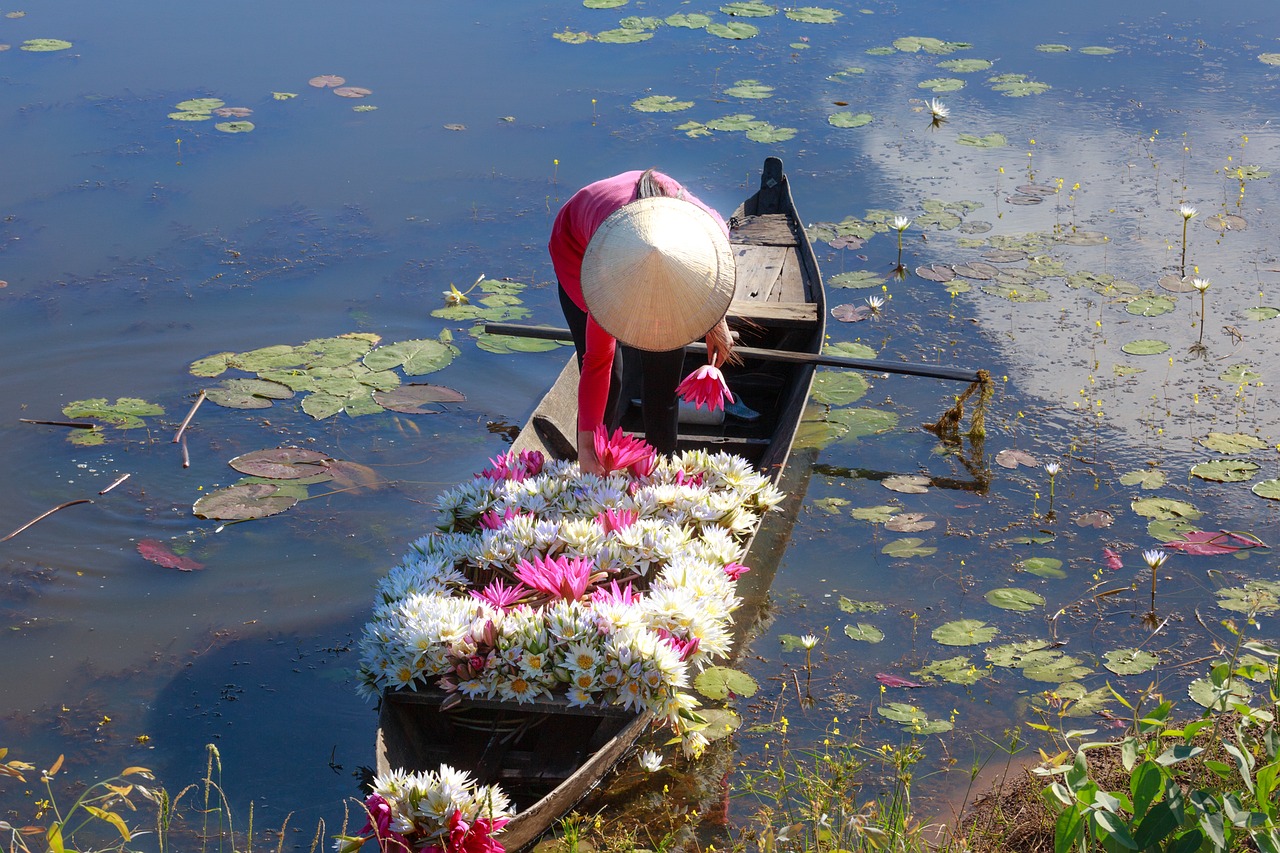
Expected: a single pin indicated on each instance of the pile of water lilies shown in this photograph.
(545, 581)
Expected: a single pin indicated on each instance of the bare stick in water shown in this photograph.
(69, 424)
(191, 414)
(45, 515)
(118, 481)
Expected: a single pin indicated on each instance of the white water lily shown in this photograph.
(809, 642)
(900, 223)
(1187, 211)
(650, 761)
(875, 303)
(938, 110)
(1154, 558)
(1052, 468)
(1200, 284)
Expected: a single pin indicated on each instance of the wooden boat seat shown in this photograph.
(770, 287)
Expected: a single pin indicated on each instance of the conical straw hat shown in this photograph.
(658, 273)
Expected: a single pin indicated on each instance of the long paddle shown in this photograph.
(959, 374)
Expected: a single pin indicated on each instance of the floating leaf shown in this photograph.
(1165, 509)
(849, 349)
(915, 44)
(124, 413)
(875, 514)
(864, 633)
(838, 388)
(908, 547)
(1235, 442)
(284, 96)
(661, 104)
(1146, 346)
(749, 9)
(831, 506)
(858, 279)
(1014, 655)
(604, 4)
(1057, 669)
(911, 484)
(1084, 238)
(719, 682)
(281, 463)
(1225, 470)
(889, 680)
(1129, 661)
(1011, 458)
(1148, 478)
(1099, 518)
(1219, 698)
(1014, 599)
(623, 35)
(1111, 559)
(416, 357)
(910, 522)
(1240, 374)
(200, 105)
(1176, 283)
(750, 90)
(693, 20)
(1052, 48)
(411, 399)
(936, 272)
(1094, 50)
(991, 140)
(850, 313)
(1209, 543)
(765, 132)
(1262, 313)
(1150, 306)
(1044, 567)
(859, 423)
(791, 642)
(964, 632)
(978, 270)
(814, 15)
(160, 554)
(1038, 539)
(1256, 596)
(327, 81)
(239, 503)
(190, 116)
(941, 84)
(1017, 85)
(956, 670)
(352, 92)
(848, 605)
(733, 30)
(234, 126)
(1269, 489)
(848, 119)
(965, 66)
(45, 45)
(1269, 58)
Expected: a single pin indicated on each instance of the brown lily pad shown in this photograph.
(351, 92)
(1098, 518)
(233, 112)
(850, 313)
(1011, 458)
(911, 484)
(354, 476)
(1226, 222)
(978, 270)
(282, 463)
(936, 272)
(411, 399)
(1024, 199)
(160, 554)
(240, 503)
(1004, 256)
(910, 522)
(327, 81)
(1176, 283)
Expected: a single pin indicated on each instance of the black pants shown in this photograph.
(659, 374)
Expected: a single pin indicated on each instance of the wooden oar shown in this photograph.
(959, 374)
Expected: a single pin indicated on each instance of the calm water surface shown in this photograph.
(132, 245)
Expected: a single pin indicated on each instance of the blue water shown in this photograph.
(132, 245)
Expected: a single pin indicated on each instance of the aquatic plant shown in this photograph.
(1188, 213)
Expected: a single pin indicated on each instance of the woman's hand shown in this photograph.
(719, 344)
(587, 459)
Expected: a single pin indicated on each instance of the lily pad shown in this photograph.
(864, 633)
(1012, 458)
(1165, 509)
(1240, 374)
(1098, 518)
(45, 45)
(719, 682)
(692, 21)
(124, 413)
(411, 399)
(838, 388)
(848, 605)
(814, 15)
(1225, 470)
(850, 349)
(162, 555)
(623, 35)
(1053, 48)
(1255, 596)
(1269, 489)
(240, 503)
(910, 522)
(352, 92)
(661, 104)
(1219, 698)
(1010, 598)
(848, 119)
(326, 81)
(941, 273)
(1044, 567)
(190, 115)
(912, 719)
(991, 140)
(1017, 85)
(1148, 478)
(1130, 661)
(1150, 306)
(928, 44)
(281, 463)
(1235, 442)
(965, 66)
(1146, 346)
(1096, 50)
(750, 90)
(416, 357)
(941, 84)
(911, 484)
(957, 670)
(859, 279)
(859, 423)
(767, 133)
(964, 632)
(876, 514)
(911, 546)
(248, 393)
(736, 30)
(749, 9)
(1262, 313)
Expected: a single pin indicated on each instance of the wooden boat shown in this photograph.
(549, 756)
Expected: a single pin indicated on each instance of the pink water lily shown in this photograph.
(735, 570)
(613, 594)
(512, 466)
(619, 452)
(614, 519)
(492, 521)
(705, 386)
(501, 596)
(558, 577)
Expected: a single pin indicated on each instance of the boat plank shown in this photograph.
(758, 270)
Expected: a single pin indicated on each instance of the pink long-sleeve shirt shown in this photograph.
(574, 226)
